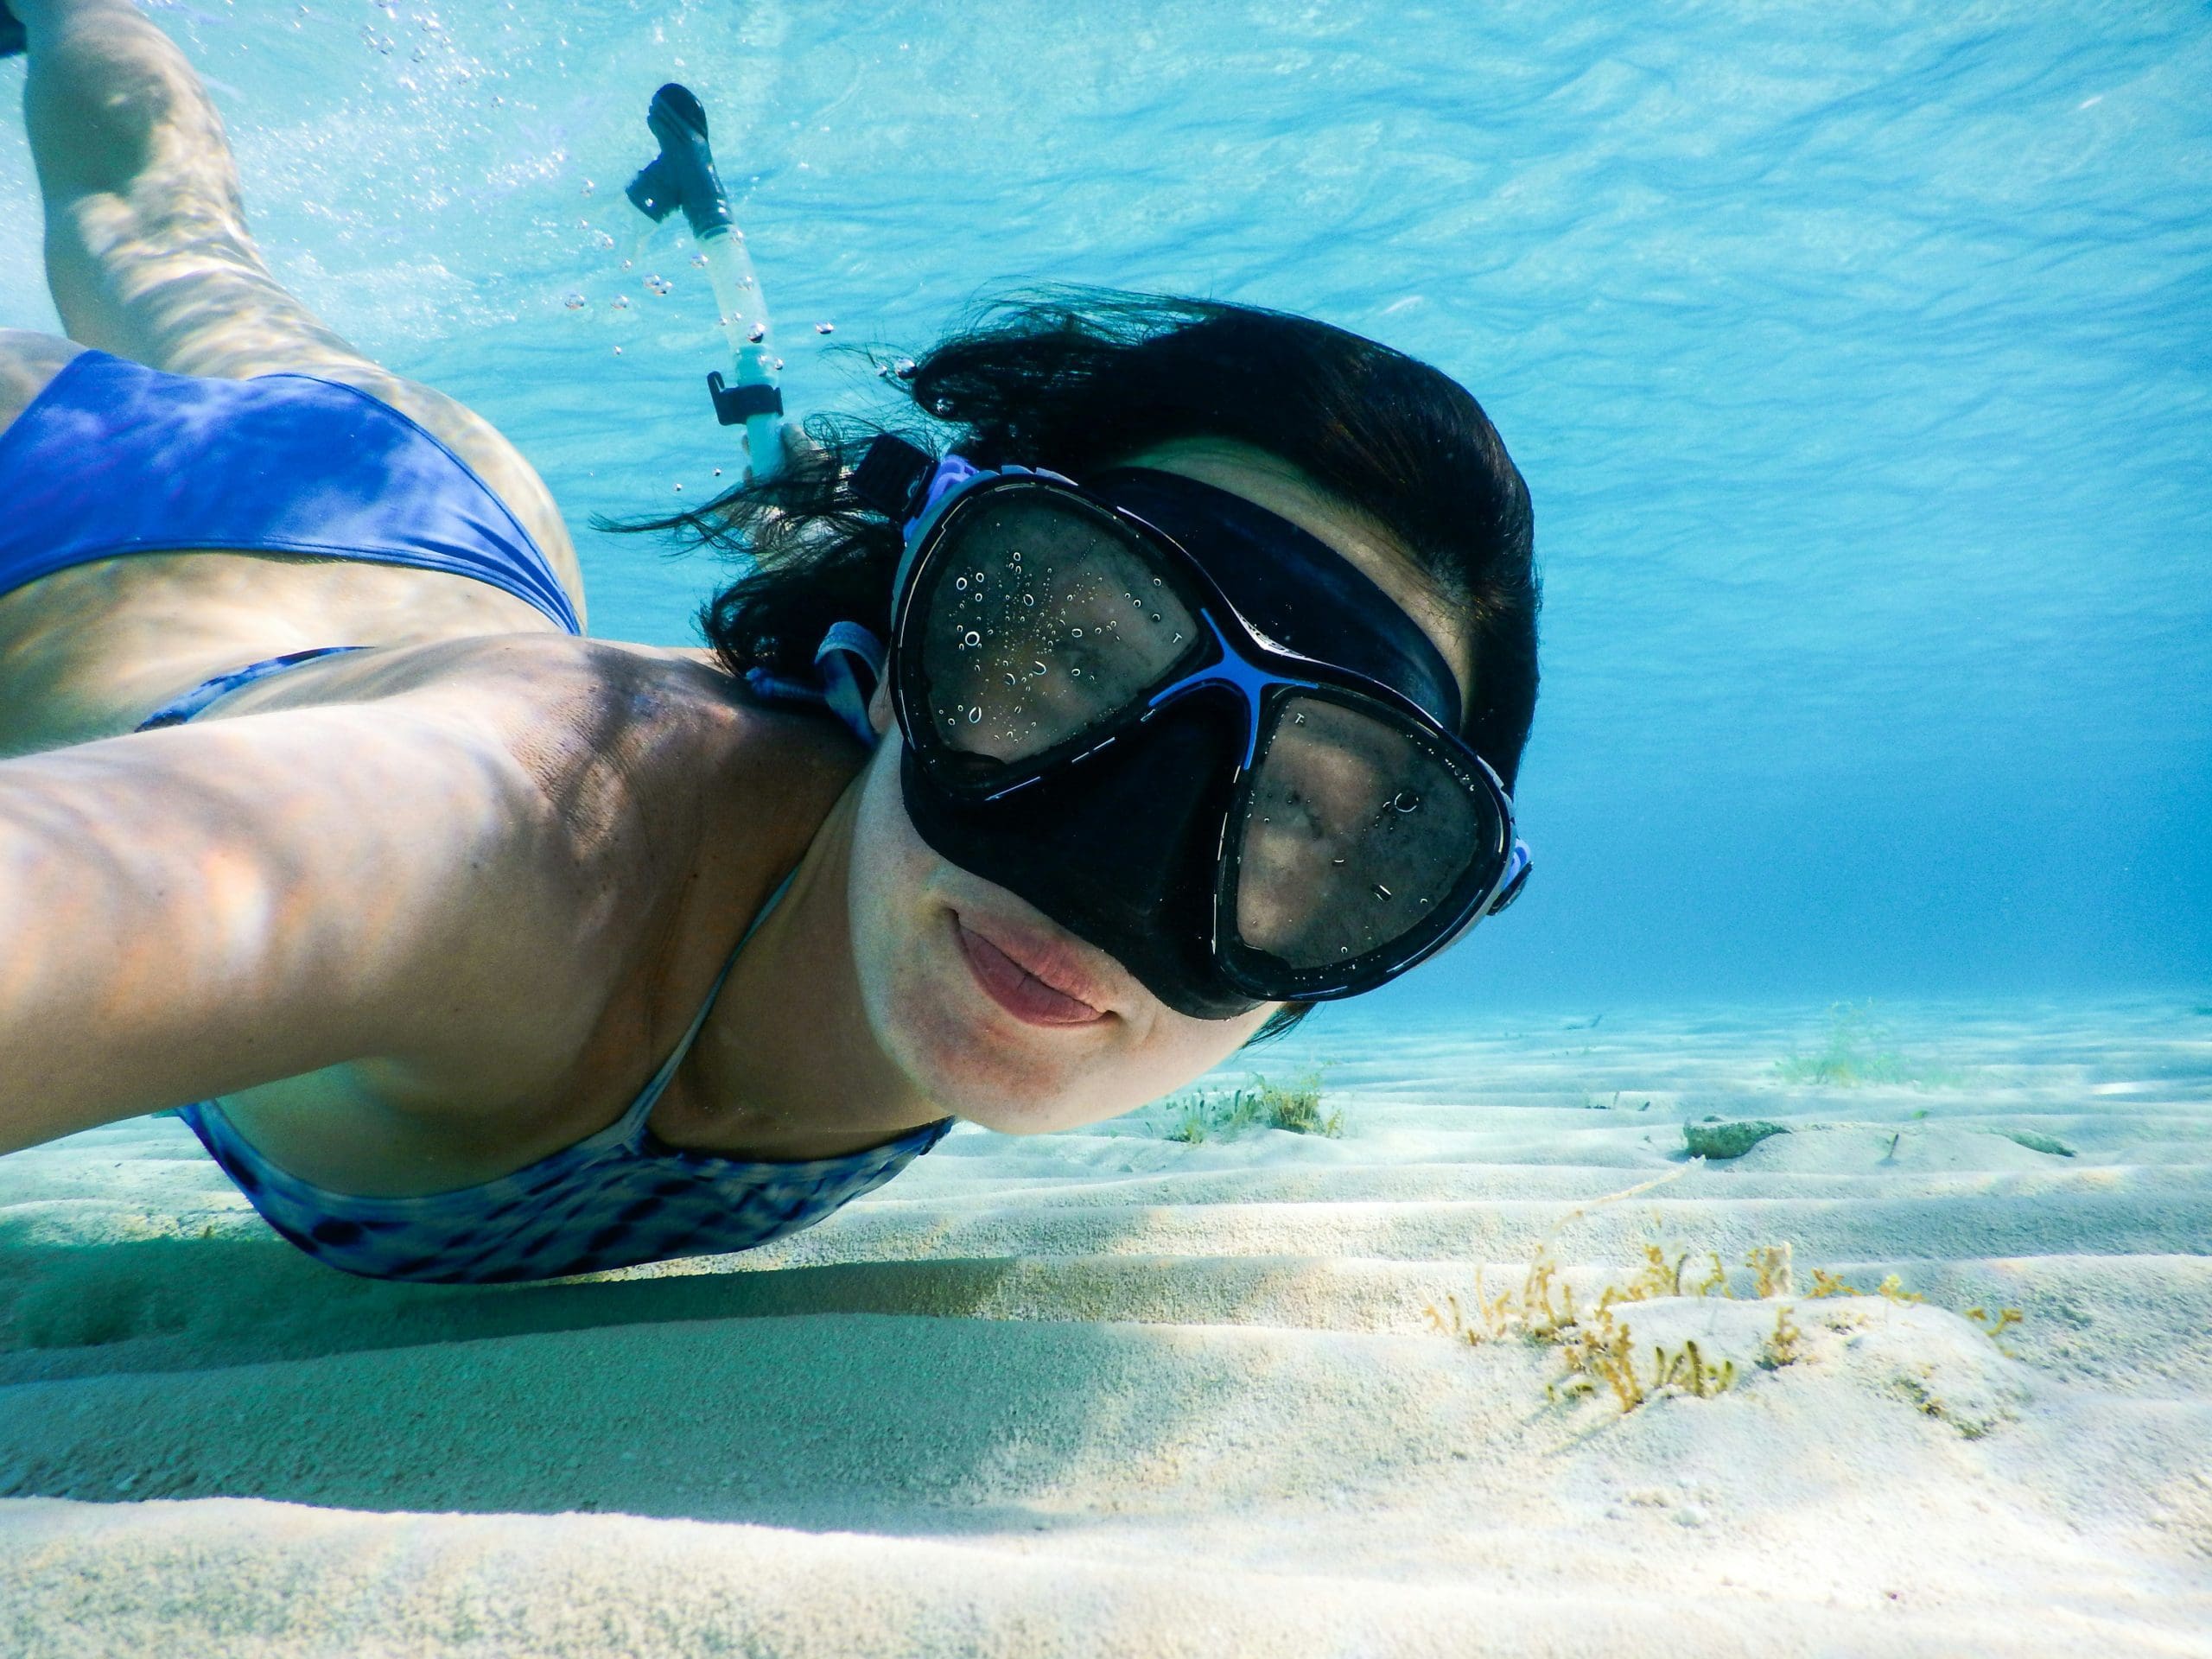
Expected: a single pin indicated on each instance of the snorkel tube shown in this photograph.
(683, 176)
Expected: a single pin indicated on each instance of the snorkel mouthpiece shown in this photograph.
(682, 176)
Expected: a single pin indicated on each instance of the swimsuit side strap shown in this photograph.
(633, 1122)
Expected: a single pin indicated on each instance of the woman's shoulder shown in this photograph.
(608, 731)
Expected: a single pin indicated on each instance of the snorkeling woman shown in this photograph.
(1174, 683)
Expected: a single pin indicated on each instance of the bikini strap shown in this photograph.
(632, 1123)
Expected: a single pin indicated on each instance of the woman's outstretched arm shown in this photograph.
(192, 911)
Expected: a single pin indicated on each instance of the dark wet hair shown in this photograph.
(1076, 380)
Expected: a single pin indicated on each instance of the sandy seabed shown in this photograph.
(1109, 1393)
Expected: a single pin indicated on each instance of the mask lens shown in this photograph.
(1041, 620)
(1360, 832)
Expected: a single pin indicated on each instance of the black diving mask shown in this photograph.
(1184, 729)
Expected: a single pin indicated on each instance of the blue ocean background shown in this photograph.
(1858, 357)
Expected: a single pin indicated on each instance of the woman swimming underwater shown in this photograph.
(1176, 685)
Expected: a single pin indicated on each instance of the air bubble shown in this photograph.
(1010, 680)
(1029, 599)
(1404, 801)
(1036, 667)
(975, 714)
(972, 638)
(1382, 892)
(1155, 616)
(575, 301)
(961, 583)
(1077, 632)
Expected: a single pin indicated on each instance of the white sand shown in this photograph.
(1109, 1394)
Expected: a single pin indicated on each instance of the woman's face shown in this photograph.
(994, 1012)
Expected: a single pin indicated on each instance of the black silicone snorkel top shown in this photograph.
(1121, 848)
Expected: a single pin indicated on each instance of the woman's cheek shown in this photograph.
(922, 1011)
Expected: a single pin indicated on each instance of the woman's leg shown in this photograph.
(147, 251)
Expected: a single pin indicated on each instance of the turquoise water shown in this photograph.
(1858, 357)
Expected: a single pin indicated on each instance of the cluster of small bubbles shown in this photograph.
(574, 302)
(659, 284)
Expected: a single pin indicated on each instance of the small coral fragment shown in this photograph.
(1727, 1140)
(1994, 1326)
(1780, 1348)
(1772, 1272)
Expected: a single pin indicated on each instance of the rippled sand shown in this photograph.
(1107, 1392)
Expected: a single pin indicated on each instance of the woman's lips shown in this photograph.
(1017, 990)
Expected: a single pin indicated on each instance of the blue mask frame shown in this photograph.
(1260, 673)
